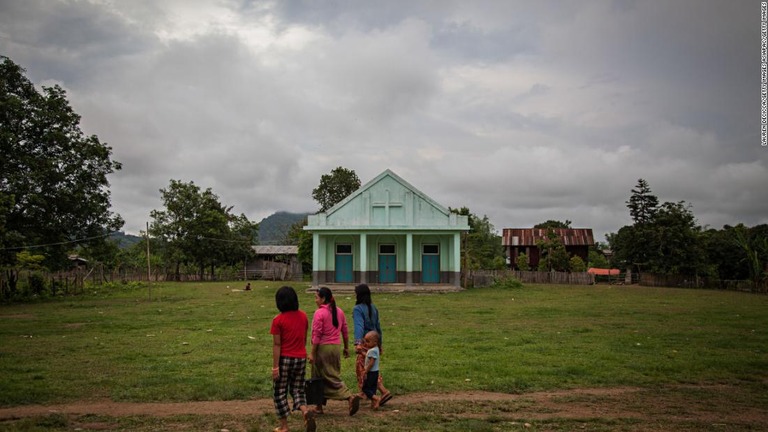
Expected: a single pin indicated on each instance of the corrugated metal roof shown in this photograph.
(276, 250)
(529, 236)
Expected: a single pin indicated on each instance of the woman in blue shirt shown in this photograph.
(366, 318)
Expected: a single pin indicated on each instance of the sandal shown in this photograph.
(354, 405)
(309, 421)
(385, 398)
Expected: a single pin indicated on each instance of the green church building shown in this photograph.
(387, 232)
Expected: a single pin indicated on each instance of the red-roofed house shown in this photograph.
(523, 240)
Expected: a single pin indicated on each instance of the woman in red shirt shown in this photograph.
(329, 327)
(289, 358)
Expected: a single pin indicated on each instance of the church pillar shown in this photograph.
(363, 258)
(315, 258)
(409, 259)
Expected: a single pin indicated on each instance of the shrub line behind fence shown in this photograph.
(480, 278)
(72, 282)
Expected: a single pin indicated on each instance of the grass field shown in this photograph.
(210, 342)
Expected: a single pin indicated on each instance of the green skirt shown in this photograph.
(327, 365)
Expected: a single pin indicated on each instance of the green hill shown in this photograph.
(124, 240)
(274, 229)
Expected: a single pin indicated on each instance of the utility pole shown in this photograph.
(149, 271)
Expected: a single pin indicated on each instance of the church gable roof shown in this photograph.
(388, 201)
(381, 180)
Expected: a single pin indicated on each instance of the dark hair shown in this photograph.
(327, 296)
(286, 299)
(363, 296)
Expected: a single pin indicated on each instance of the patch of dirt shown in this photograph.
(667, 407)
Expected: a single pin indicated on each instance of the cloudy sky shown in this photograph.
(520, 110)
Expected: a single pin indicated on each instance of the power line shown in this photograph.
(57, 243)
(225, 240)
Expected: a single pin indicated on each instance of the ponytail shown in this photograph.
(327, 296)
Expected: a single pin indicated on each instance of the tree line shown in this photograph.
(55, 202)
(666, 239)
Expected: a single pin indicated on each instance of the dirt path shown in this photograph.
(715, 405)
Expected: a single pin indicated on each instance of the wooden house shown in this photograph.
(387, 232)
(524, 240)
(274, 262)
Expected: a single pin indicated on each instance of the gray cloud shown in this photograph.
(524, 111)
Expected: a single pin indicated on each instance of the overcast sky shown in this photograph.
(523, 111)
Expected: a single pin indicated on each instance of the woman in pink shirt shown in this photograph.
(329, 327)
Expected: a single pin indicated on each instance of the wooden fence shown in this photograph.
(99, 275)
(480, 278)
(73, 282)
(30, 283)
(139, 275)
(680, 281)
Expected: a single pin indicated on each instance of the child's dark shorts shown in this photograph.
(371, 383)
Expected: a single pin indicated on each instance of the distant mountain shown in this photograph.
(274, 229)
(124, 240)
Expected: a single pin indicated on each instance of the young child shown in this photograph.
(371, 343)
(289, 358)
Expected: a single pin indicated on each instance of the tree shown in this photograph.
(242, 236)
(334, 187)
(28, 261)
(663, 239)
(303, 239)
(674, 241)
(553, 224)
(597, 259)
(755, 251)
(631, 245)
(105, 253)
(196, 228)
(722, 260)
(482, 247)
(625, 250)
(642, 204)
(53, 178)
(554, 257)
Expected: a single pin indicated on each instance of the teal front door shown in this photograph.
(430, 269)
(344, 263)
(430, 263)
(387, 269)
(344, 268)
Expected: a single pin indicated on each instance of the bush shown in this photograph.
(36, 284)
(543, 266)
(522, 262)
(55, 285)
(121, 285)
(507, 283)
(577, 264)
